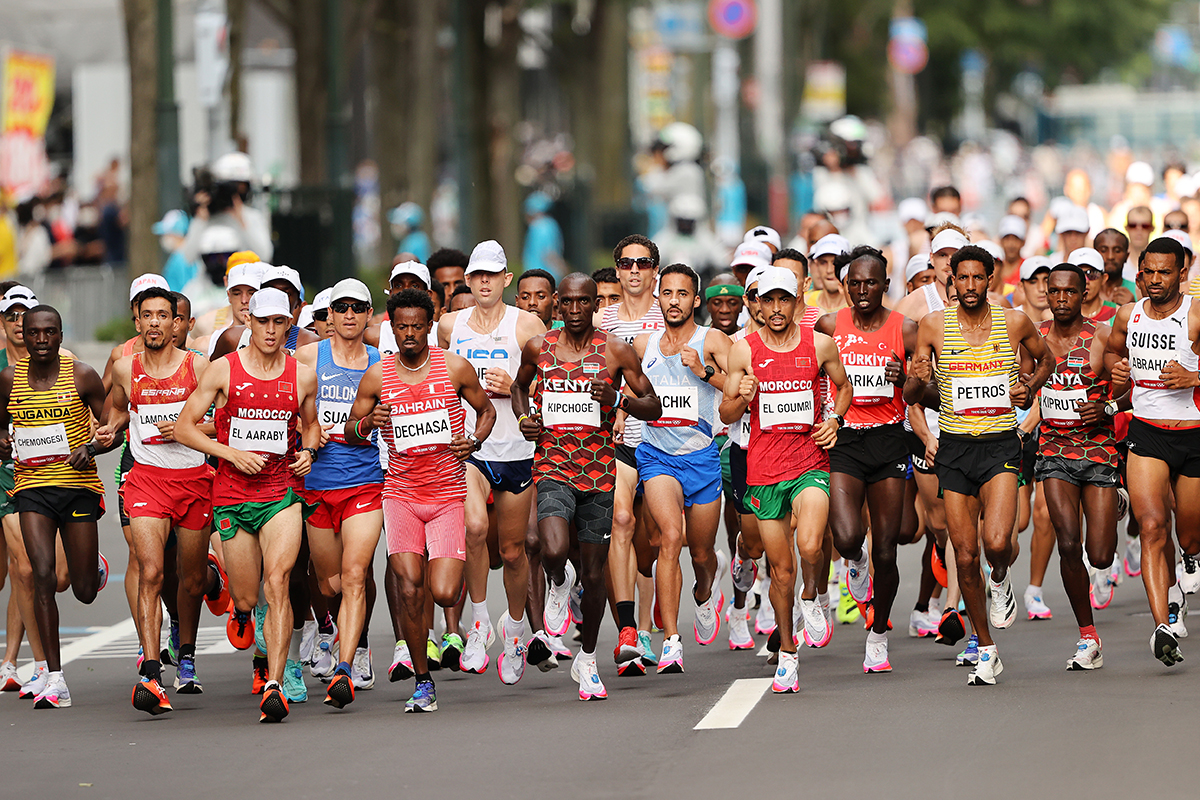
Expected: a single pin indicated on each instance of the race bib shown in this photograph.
(570, 411)
(43, 445)
(482, 365)
(786, 411)
(984, 396)
(145, 420)
(1146, 373)
(870, 387)
(744, 422)
(1058, 406)
(331, 412)
(418, 434)
(680, 406)
(259, 435)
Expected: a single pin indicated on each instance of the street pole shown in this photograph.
(336, 112)
(462, 129)
(167, 113)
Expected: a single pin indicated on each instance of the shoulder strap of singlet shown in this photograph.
(324, 353)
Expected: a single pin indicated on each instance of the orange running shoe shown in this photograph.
(627, 646)
(341, 691)
(240, 629)
(939, 568)
(274, 706)
(149, 696)
(259, 682)
(868, 612)
(219, 604)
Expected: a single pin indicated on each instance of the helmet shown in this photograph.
(219, 239)
(408, 214)
(684, 142)
(849, 129)
(233, 167)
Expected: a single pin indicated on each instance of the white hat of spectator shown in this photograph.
(687, 206)
(996, 251)
(1140, 172)
(1086, 257)
(1182, 238)
(233, 167)
(773, 278)
(411, 268)
(487, 257)
(1058, 206)
(915, 266)
(268, 303)
(1033, 265)
(911, 208)
(246, 275)
(830, 244)
(218, 239)
(1072, 220)
(143, 282)
(1012, 225)
(941, 218)
(948, 239)
(753, 254)
(18, 296)
(283, 273)
(768, 236)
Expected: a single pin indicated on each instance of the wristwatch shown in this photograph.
(709, 371)
(91, 450)
(841, 421)
(1111, 408)
(311, 452)
(475, 441)
(621, 400)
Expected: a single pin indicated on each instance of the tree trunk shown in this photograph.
(390, 35)
(421, 129)
(235, 12)
(143, 250)
(503, 112)
(312, 94)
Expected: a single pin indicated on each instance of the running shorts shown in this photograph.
(698, 473)
(513, 477)
(737, 478)
(183, 496)
(435, 529)
(592, 512)
(8, 485)
(1076, 471)
(626, 455)
(775, 501)
(1029, 454)
(965, 463)
(335, 506)
(1179, 448)
(723, 445)
(251, 517)
(871, 454)
(61, 504)
(916, 452)
(126, 465)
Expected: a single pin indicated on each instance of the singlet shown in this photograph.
(974, 382)
(498, 349)
(259, 416)
(739, 431)
(1062, 433)
(933, 300)
(289, 345)
(425, 417)
(127, 349)
(1152, 343)
(610, 320)
(153, 400)
(865, 357)
(784, 412)
(812, 315)
(340, 465)
(576, 444)
(689, 405)
(1106, 312)
(47, 426)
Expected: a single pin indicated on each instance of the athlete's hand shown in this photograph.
(531, 427)
(462, 447)
(893, 372)
(105, 436)
(381, 417)
(325, 429)
(302, 465)
(931, 448)
(691, 359)
(1121, 296)
(247, 462)
(1176, 376)
(6, 445)
(922, 368)
(1091, 412)
(497, 381)
(1119, 377)
(747, 388)
(825, 434)
(619, 429)
(166, 427)
(79, 458)
(1020, 394)
(603, 392)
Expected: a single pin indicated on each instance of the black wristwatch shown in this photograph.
(91, 450)
(841, 421)
(621, 401)
(709, 371)
(312, 452)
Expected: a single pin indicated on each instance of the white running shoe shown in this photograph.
(325, 655)
(540, 652)
(475, 658)
(1003, 611)
(584, 671)
(308, 641)
(672, 656)
(858, 579)
(1177, 610)
(558, 648)
(922, 624)
(35, 685)
(1189, 573)
(1133, 557)
(817, 630)
(739, 631)
(1165, 645)
(1101, 589)
(557, 616)
(876, 659)
(55, 695)
(1034, 605)
(744, 572)
(708, 619)
(511, 664)
(402, 666)
(717, 592)
(988, 668)
(1087, 655)
(764, 622)
(787, 679)
(361, 673)
(8, 677)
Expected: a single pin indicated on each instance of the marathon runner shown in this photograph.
(1096, 307)
(828, 294)
(608, 287)
(286, 280)
(242, 279)
(535, 294)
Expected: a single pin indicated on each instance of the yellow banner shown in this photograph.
(28, 93)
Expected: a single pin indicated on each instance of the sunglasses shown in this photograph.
(14, 316)
(1181, 226)
(1093, 274)
(645, 262)
(1143, 225)
(752, 295)
(341, 307)
(322, 315)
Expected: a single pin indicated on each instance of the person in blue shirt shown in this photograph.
(406, 220)
(544, 239)
(171, 231)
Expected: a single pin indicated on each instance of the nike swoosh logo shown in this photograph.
(328, 377)
(462, 552)
(608, 536)
(242, 386)
(362, 505)
(77, 514)
(526, 483)
(460, 341)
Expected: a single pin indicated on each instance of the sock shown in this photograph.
(422, 677)
(343, 667)
(479, 613)
(326, 625)
(38, 666)
(588, 658)
(625, 614)
(294, 647)
(1175, 594)
(1033, 589)
(57, 674)
(187, 651)
(873, 637)
(260, 662)
(1089, 632)
(824, 599)
(516, 628)
(152, 669)
(362, 640)
(922, 607)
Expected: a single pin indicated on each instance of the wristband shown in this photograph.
(357, 432)
(522, 418)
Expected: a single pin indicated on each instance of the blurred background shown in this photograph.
(333, 134)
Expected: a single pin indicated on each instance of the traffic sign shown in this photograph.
(733, 19)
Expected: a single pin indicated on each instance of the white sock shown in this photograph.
(588, 658)
(874, 638)
(38, 666)
(1175, 594)
(823, 599)
(57, 674)
(294, 646)
(1033, 589)
(516, 627)
(479, 613)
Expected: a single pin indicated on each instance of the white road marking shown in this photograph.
(735, 705)
(120, 641)
(80, 648)
(764, 651)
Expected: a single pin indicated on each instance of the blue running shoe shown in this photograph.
(423, 699)
(186, 681)
(260, 621)
(970, 656)
(170, 654)
(293, 682)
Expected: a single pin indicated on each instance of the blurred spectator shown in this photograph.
(34, 246)
(543, 239)
(406, 220)
(222, 200)
(688, 239)
(171, 231)
(8, 239)
(1077, 187)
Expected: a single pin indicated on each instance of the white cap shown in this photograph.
(319, 302)
(1086, 257)
(411, 268)
(233, 167)
(306, 317)
(1058, 206)
(687, 206)
(829, 244)
(995, 250)
(911, 208)
(754, 275)
(778, 278)
(246, 275)
(218, 239)
(143, 282)
(948, 239)
(487, 257)
(269, 303)
(1140, 172)
(18, 296)
(916, 265)
(351, 288)
(941, 218)
(1072, 219)
(282, 273)
(1012, 225)
(752, 253)
(765, 235)
(1033, 265)
(1182, 238)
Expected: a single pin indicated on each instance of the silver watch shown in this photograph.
(1111, 408)
(478, 444)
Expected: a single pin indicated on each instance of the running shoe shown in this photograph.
(361, 672)
(969, 657)
(817, 631)
(717, 591)
(260, 627)
(575, 607)
(744, 572)
(540, 652)
(787, 681)
(1102, 589)
(103, 569)
(433, 655)
(169, 656)
(325, 655)
(35, 685)
(627, 646)
(1189, 573)
(764, 622)
(708, 617)
(1115, 573)
(186, 681)
(922, 624)
(308, 641)
(424, 699)
(937, 560)
(557, 616)
(1087, 655)
(1176, 614)
(8, 677)
(671, 662)
(140, 659)
(1003, 611)
(823, 601)
(510, 664)
(646, 648)
(773, 643)
(341, 690)
(876, 659)
(584, 671)
(149, 696)
(858, 580)
(1133, 557)
(293, 682)
(868, 612)
(1165, 646)
(274, 705)
(452, 650)
(260, 679)
(218, 599)
(847, 609)
(474, 657)
(739, 631)
(1034, 605)
(401, 668)
(55, 695)
(560, 650)
(988, 669)
(951, 629)
(240, 629)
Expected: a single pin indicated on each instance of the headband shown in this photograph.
(722, 290)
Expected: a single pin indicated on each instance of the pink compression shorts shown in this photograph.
(436, 529)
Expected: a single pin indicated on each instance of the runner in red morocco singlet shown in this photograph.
(413, 398)
(265, 399)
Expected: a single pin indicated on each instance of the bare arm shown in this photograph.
(445, 327)
(825, 435)
(213, 384)
(466, 383)
(227, 342)
(531, 426)
(740, 384)
(716, 347)
(367, 413)
(91, 391)
(645, 404)
(1027, 387)
(920, 386)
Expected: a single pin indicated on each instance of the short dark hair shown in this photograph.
(462, 288)
(943, 191)
(38, 309)
(1174, 165)
(973, 253)
(843, 260)
(637, 238)
(792, 254)
(1021, 199)
(6, 285)
(410, 298)
(605, 275)
(180, 298)
(1113, 230)
(437, 288)
(1165, 245)
(546, 276)
(1074, 270)
(447, 257)
(159, 292)
(1138, 210)
(681, 269)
